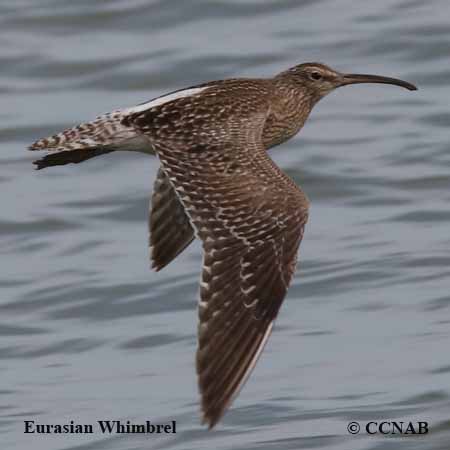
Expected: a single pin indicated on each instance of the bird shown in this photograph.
(216, 182)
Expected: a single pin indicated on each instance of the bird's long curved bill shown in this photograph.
(354, 78)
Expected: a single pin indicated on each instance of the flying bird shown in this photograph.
(217, 182)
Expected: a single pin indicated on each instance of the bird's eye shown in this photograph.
(315, 75)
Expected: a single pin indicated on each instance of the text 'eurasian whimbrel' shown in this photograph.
(217, 181)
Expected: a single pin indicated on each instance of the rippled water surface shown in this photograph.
(88, 332)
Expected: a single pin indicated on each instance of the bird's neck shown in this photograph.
(290, 107)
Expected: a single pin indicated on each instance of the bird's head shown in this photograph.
(318, 79)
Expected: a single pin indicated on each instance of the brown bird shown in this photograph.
(217, 181)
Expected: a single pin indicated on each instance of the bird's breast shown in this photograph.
(279, 129)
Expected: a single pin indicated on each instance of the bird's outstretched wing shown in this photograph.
(250, 217)
(169, 226)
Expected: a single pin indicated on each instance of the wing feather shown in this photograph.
(250, 217)
(169, 226)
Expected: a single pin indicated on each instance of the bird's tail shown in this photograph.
(105, 134)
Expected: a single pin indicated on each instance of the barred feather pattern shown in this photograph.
(249, 215)
(105, 130)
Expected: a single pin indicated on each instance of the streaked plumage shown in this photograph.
(216, 180)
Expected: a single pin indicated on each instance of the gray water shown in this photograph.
(89, 333)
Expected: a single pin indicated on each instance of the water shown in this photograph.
(89, 333)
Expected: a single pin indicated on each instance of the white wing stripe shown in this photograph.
(164, 99)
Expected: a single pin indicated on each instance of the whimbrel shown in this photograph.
(217, 182)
